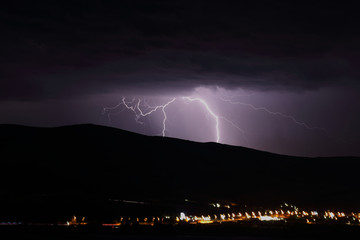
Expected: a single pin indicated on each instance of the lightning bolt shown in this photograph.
(142, 109)
(165, 117)
(109, 110)
(211, 113)
(137, 105)
(134, 106)
(290, 117)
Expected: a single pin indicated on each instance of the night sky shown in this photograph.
(281, 76)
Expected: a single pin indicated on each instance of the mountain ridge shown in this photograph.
(91, 163)
(90, 125)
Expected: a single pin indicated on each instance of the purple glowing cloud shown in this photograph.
(297, 64)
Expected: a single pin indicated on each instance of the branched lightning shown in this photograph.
(290, 117)
(234, 125)
(216, 117)
(134, 106)
(109, 111)
(142, 109)
(211, 113)
(165, 117)
(137, 107)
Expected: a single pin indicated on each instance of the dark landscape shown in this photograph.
(157, 119)
(52, 174)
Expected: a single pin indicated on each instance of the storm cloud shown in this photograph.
(289, 70)
(62, 49)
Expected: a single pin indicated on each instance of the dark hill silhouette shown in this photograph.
(58, 171)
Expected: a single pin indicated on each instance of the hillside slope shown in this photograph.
(60, 169)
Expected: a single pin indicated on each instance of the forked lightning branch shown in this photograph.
(141, 109)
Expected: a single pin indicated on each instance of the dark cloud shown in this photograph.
(63, 49)
(61, 62)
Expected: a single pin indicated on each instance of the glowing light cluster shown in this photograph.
(274, 215)
(269, 218)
